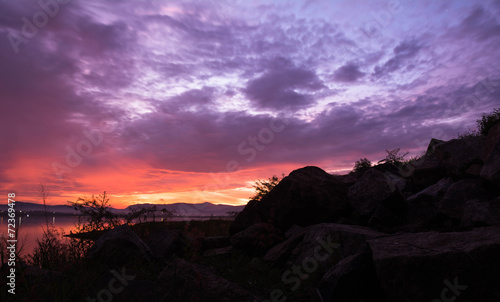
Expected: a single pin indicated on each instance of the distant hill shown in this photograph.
(35, 207)
(179, 209)
(188, 209)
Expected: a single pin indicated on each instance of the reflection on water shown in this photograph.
(31, 228)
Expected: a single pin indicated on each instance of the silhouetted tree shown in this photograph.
(95, 213)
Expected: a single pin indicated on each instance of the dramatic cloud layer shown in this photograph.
(170, 101)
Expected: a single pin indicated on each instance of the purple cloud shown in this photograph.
(403, 52)
(277, 87)
(189, 82)
(348, 73)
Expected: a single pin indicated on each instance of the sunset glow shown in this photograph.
(192, 101)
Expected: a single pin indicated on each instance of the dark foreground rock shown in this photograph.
(431, 265)
(491, 157)
(423, 205)
(326, 243)
(258, 238)
(307, 196)
(369, 192)
(119, 246)
(184, 281)
(458, 155)
(165, 243)
(451, 207)
(352, 279)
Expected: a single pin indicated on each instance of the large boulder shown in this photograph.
(352, 279)
(481, 213)
(430, 265)
(451, 207)
(329, 240)
(491, 156)
(165, 243)
(426, 170)
(456, 156)
(423, 205)
(119, 246)
(281, 252)
(258, 238)
(373, 190)
(184, 281)
(307, 196)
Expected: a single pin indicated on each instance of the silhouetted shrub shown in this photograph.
(362, 164)
(393, 157)
(52, 251)
(488, 121)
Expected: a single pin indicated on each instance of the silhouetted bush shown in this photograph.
(52, 251)
(362, 164)
(488, 121)
(393, 157)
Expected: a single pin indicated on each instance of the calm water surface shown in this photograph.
(31, 228)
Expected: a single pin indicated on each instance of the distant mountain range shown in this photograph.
(179, 209)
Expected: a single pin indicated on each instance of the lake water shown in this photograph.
(31, 228)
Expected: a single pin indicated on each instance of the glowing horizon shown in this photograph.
(192, 101)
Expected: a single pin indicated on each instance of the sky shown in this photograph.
(192, 101)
